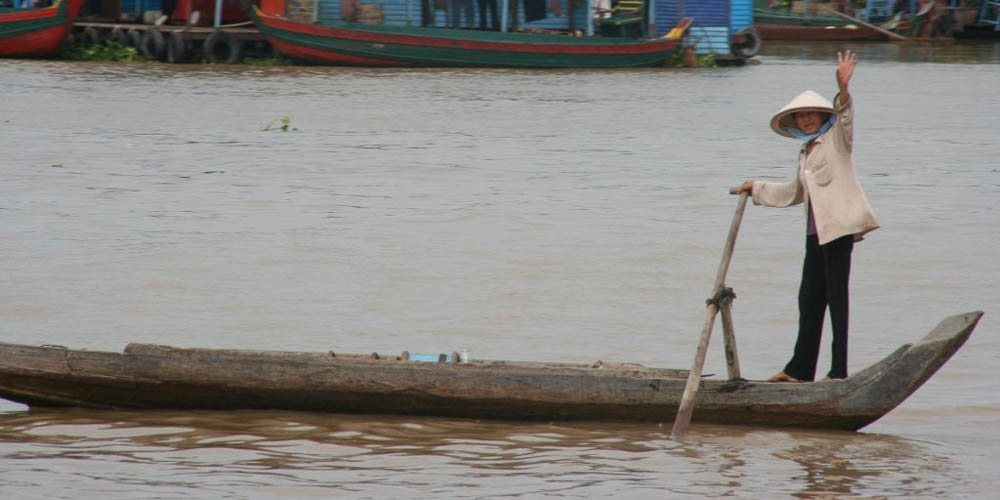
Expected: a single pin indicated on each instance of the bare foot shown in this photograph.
(782, 377)
(825, 379)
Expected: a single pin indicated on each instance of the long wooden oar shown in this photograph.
(897, 36)
(686, 408)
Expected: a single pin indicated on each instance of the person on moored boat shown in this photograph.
(837, 215)
(457, 6)
(494, 23)
(350, 10)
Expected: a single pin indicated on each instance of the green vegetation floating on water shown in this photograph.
(286, 125)
(105, 51)
(680, 59)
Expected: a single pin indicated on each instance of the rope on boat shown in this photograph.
(723, 295)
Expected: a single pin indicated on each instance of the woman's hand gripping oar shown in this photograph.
(719, 297)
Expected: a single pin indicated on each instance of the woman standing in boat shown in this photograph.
(837, 214)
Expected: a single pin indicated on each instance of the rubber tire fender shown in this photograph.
(90, 36)
(751, 46)
(153, 44)
(221, 47)
(134, 39)
(118, 34)
(178, 47)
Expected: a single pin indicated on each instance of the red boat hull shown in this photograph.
(36, 32)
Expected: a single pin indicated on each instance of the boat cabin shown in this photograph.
(720, 26)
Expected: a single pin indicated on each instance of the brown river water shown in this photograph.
(537, 215)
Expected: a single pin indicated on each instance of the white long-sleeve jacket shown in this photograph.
(840, 206)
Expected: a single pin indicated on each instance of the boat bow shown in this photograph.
(884, 385)
(36, 32)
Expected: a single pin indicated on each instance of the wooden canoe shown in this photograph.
(355, 44)
(148, 376)
(36, 32)
(778, 24)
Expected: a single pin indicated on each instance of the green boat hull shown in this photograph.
(365, 45)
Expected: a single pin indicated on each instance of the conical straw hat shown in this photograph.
(806, 101)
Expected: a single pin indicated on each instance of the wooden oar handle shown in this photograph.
(736, 190)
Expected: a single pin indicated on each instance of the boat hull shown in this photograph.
(809, 33)
(978, 31)
(363, 45)
(36, 32)
(792, 26)
(159, 377)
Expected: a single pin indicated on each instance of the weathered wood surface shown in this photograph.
(717, 301)
(729, 338)
(151, 376)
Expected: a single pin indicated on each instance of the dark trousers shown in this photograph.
(426, 13)
(490, 5)
(456, 7)
(825, 275)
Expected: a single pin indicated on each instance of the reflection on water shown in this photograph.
(251, 453)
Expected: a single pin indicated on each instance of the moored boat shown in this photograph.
(830, 25)
(347, 43)
(778, 24)
(148, 376)
(36, 32)
(983, 22)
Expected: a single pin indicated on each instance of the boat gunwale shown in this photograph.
(812, 20)
(136, 350)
